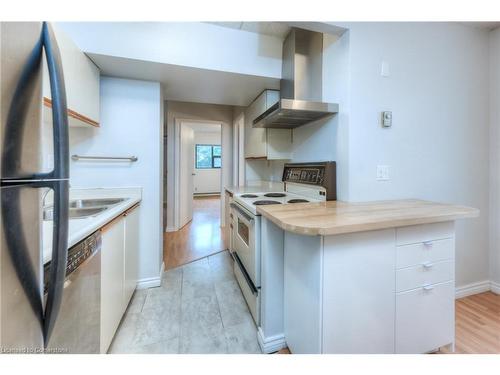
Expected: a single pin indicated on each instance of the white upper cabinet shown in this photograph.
(81, 79)
(265, 143)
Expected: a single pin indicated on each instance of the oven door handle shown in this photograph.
(241, 212)
(249, 281)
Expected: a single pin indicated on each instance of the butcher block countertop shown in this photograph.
(337, 217)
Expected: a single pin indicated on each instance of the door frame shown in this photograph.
(177, 163)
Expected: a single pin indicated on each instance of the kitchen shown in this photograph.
(342, 200)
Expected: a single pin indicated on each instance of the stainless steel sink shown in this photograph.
(101, 202)
(80, 213)
(74, 213)
(84, 208)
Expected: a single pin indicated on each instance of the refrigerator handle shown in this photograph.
(60, 187)
(59, 107)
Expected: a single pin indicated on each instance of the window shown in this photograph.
(208, 156)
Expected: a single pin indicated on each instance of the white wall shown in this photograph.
(207, 180)
(494, 79)
(194, 44)
(328, 139)
(198, 112)
(437, 148)
(131, 124)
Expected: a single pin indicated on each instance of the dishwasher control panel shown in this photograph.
(77, 254)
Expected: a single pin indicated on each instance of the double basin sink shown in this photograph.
(84, 208)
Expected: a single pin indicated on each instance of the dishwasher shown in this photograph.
(77, 328)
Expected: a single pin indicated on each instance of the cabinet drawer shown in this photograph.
(425, 319)
(424, 232)
(424, 274)
(424, 252)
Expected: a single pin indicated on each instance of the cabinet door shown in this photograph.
(425, 318)
(131, 254)
(227, 218)
(113, 237)
(358, 292)
(255, 138)
(81, 78)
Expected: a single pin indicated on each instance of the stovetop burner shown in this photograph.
(275, 195)
(249, 196)
(265, 202)
(297, 201)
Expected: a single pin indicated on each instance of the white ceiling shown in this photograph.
(277, 29)
(183, 83)
(281, 29)
(483, 25)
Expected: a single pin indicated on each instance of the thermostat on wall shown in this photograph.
(387, 119)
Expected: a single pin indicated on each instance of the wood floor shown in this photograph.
(477, 325)
(200, 238)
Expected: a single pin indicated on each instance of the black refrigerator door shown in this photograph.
(21, 305)
(23, 95)
(21, 280)
(14, 174)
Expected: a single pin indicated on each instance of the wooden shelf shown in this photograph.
(72, 114)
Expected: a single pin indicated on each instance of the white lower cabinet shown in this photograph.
(131, 254)
(425, 288)
(425, 318)
(112, 258)
(119, 253)
(358, 293)
(384, 291)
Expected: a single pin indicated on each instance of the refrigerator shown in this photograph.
(27, 313)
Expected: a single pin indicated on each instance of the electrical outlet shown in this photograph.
(383, 173)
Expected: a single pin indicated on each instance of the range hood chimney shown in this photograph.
(301, 84)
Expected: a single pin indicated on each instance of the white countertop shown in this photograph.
(81, 228)
(256, 187)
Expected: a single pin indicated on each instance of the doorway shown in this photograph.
(198, 205)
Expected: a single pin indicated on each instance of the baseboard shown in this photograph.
(171, 229)
(473, 288)
(151, 282)
(270, 344)
(495, 287)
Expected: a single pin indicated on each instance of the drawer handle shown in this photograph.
(427, 265)
(428, 244)
(427, 288)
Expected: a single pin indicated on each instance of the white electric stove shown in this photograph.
(251, 201)
(303, 183)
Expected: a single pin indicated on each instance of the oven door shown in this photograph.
(246, 243)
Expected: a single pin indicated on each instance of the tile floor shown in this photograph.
(199, 308)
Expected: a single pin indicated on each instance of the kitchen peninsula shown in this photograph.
(375, 277)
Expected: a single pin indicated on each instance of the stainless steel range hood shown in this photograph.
(301, 84)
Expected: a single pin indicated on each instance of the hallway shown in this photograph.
(199, 238)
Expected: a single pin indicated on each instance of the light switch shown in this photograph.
(384, 69)
(387, 119)
(383, 173)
